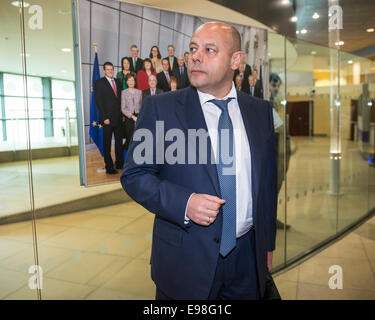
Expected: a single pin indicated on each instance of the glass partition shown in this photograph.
(276, 95)
(311, 210)
(329, 142)
(357, 147)
(19, 96)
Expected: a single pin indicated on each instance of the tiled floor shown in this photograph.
(96, 254)
(104, 254)
(355, 254)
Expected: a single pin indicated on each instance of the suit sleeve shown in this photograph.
(142, 181)
(98, 96)
(270, 186)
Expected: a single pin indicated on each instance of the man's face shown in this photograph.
(241, 68)
(274, 87)
(152, 82)
(251, 81)
(186, 57)
(108, 71)
(180, 61)
(171, 51)
(134, 52)
(210, 63)
(165, 65)
(255, 74)
(238, 81)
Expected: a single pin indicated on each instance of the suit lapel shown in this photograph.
(252, 131)
(110, 86)
(190, 114)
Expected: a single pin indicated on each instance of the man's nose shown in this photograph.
(197, 56)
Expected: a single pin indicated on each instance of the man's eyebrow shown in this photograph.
(211, 44)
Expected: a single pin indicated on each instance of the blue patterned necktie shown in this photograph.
(227, 176)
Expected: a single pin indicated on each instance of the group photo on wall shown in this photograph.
(143, 52)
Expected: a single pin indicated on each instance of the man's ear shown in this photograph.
(236, 60)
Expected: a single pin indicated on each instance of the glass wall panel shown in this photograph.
(18, 250)
(357, 127)
(56, 174)
(275, 90)
(311, 208)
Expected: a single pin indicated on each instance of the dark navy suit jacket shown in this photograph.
(184, 256)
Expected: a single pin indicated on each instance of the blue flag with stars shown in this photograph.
(96, 129)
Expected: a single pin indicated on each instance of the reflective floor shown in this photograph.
(355, 254)
(97, 254)
(104, 254)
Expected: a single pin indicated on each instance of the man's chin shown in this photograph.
(197, 83)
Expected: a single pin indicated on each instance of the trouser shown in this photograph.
(108, 130)
(236, 276)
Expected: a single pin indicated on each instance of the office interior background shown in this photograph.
(94, 243)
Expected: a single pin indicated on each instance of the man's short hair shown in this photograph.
(107, 64)
(170, 45)
(164, 59)
(133, 46)
(152, 76)
(274, 78)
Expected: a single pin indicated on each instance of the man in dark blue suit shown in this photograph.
(214, 201)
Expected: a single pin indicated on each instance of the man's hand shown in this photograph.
(269, 260)
(203, 208)
(106, 121)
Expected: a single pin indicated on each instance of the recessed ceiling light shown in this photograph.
(63, 71)
(66, 49)
(370, 30)
(350, 61)
(313, 52)
(294, 19)
(339, 43)
(303, 31)
(297, 31)
(315, 16)
(19, 4)
(285, 2)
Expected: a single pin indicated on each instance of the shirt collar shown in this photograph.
(109, 79)
(205, 97)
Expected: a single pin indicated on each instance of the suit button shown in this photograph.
(217, 240)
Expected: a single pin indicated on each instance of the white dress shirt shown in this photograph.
(244, 200)
(110, 82)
